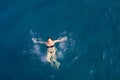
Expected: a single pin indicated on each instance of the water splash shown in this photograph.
(36, 48)
(62, 48)
(68, 45)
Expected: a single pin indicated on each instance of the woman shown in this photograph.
(51, 50)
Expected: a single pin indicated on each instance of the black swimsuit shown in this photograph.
(50, 46)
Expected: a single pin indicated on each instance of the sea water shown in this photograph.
(92, 49)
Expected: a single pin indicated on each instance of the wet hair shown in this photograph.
(48, 38)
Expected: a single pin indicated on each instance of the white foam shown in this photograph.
(60, 55)
(62, 47)
(37, 49)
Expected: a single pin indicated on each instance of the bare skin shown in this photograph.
(51, 50)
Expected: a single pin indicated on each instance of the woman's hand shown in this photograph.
(34, 40)
(64, 39)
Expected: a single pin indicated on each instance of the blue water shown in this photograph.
(95, 28)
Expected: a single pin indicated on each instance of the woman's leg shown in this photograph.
(54, 61)
(51, 58)
(48, 57)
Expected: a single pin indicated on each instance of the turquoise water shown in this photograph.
(92, 28)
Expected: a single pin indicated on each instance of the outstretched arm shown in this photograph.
(35, 41)
(60, 40)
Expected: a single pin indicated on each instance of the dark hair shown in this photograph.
(49, 38)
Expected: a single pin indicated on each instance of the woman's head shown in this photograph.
(49, 40)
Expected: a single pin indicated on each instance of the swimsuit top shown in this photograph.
(50, 46)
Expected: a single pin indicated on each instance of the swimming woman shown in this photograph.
(51, 50)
